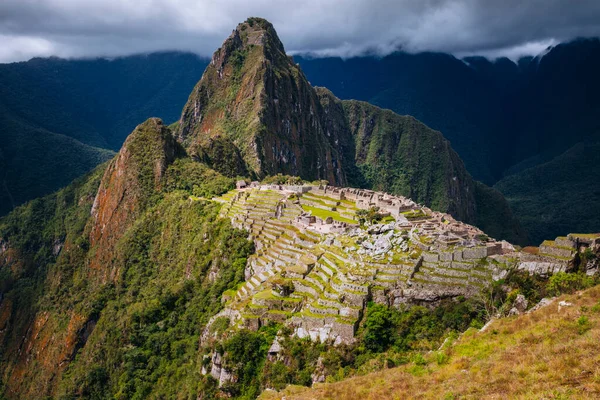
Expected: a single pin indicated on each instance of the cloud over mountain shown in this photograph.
(75, 28)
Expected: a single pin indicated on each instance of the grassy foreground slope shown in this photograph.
(551, 353)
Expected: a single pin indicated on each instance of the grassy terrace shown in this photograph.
(585, 235)
(313, 196)
(348, 204)
(552, 243)
(324, 214)
(415, 214)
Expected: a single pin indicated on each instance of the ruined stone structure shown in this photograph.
(315, 268)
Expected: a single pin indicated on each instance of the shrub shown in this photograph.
(371, 215)
(419, 360)
(442, 358)
(583, 324)
(563, 282)
(379, 332)
(280, 179)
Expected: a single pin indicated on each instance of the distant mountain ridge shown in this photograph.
(60, 118)
(495, 113)
(110, 286)
(501, 117)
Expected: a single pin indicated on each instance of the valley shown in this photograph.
(276, 238)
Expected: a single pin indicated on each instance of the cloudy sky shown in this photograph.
(90, 28)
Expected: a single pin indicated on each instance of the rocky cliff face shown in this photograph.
(126, 189)
(254, 113)
(255, 102)
(400, 155)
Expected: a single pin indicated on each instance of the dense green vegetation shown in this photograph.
(537, 355)
(559, 196)
(148, 331)
(496, 113)
(131, 326)
(501, 118)
(59, 117)
(389, 336)
(35, 161)
(175, 262)
(52, 110)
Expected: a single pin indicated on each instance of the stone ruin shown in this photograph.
(316, 273)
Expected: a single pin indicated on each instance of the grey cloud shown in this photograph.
(87, 28)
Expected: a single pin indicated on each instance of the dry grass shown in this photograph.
(531, 250)
(549, 354)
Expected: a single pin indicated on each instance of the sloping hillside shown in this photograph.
(58, 117)
(253, 113)
(550, 353)
(557, 196)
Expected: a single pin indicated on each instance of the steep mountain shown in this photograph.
(255, 103)
(85, 271)
(125, 283)
(557, 107)
(501, 117)
(438, 89)
(399, 154)
(253, 112)
(127, 189)
(57, 116)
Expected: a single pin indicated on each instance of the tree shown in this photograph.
(379, 328)
(371, 215)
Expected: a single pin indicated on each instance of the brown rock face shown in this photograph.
(254, 113)
(253, 100)
(127, 188)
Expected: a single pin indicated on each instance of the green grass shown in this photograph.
(551, 353)
(324, 214)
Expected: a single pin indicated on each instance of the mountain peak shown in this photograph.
(255, 103)
(252, 32)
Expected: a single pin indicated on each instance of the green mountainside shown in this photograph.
(500, 116)
(558, 195)
(152, 277)
(254, 113)
(35, 162)
(254, 100)
(57, 116)
(105, 260)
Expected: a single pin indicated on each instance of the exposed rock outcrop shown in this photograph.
(254, 113)
(258, 104)
(127, 188)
